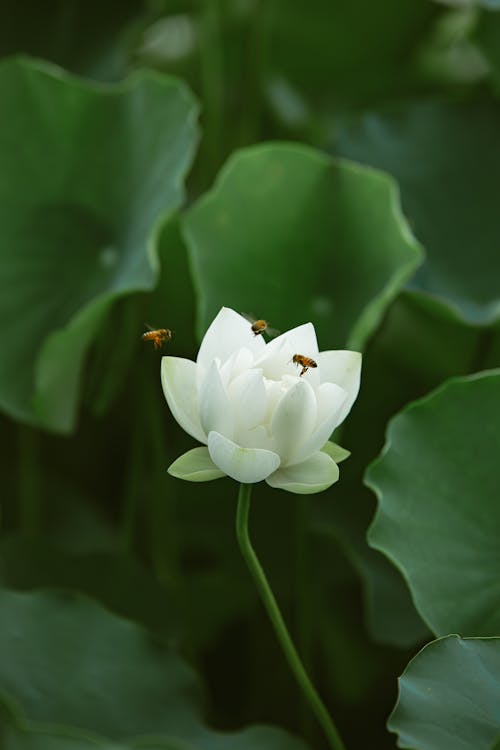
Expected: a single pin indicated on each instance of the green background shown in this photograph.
(330, 161)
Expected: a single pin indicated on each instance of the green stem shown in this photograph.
(212, 75)
(302, 603)
(259, 31)
(485, 342)
(269, 602)
(30, 495)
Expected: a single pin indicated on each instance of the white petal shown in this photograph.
(314, 475)
(330, 403)
(215, 409)
(246, 465)
(257, 437)
(275, 358)
(238, 362)
(293, 419)
(178, 378)
(195, 466)
(344, 369)
(247, 394)
(336, 452)
(302, 340)
(227, 333)
(274, 391)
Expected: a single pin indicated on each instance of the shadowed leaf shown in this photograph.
(88, 175)
(449, 696)
(438, 517)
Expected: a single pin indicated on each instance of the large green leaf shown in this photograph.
(449, 696)
(292, 235)
(66, 662)
(88, 175)
(15, 734)
(421, 344)
(438, 518)
(448, 190)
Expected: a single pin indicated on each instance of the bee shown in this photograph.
(158, 336)
(304, 362)
(260, 325)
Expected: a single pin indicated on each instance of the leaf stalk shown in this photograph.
(268, 600)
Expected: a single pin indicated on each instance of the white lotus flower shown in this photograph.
(258, 418)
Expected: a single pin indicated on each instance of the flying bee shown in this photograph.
(304, 362)
(158, 336)
(260, 325)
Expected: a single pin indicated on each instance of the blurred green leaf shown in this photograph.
(449, 696)
(448, 177)
(94, 670)
(66, 662)
(291, 235)
(169, 305)
(15, 738)
(344, 53)
(489, 4)
(118, 582)
(108, 366)
(85, 36)
(350, 665)
(18, 736)
(421, 344)
(89, 174)
(487, 36)
(449, 56)
(390, 616)
(438, 518)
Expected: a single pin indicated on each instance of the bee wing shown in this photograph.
(272, 332)
(251, 318)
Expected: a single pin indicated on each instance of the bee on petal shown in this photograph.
(158, 336)
(259, 326)
(304, 362)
